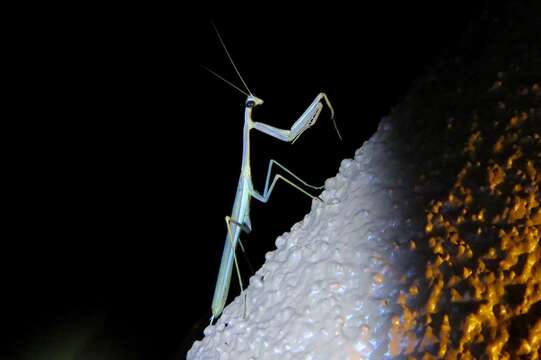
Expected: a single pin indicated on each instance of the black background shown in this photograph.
(125, 153)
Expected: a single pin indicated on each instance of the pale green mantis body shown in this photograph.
(239, 220)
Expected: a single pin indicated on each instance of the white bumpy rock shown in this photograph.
(323, 293)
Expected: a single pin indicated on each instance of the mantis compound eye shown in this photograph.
(250, 104)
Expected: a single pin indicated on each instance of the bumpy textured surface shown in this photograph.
(321, 294)
(427, 244)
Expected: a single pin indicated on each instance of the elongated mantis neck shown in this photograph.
(246, 142)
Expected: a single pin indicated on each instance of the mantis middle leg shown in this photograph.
(268, 189)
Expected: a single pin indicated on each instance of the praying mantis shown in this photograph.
(239, 220)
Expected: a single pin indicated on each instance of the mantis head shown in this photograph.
(253, 101)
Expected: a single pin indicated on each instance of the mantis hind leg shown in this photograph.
(228, 223)
(247, 228)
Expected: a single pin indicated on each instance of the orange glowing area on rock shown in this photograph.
(484, 240)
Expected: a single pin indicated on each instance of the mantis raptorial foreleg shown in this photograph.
(307, 119)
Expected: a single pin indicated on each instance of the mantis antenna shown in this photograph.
(229, 56)
(225, 80)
